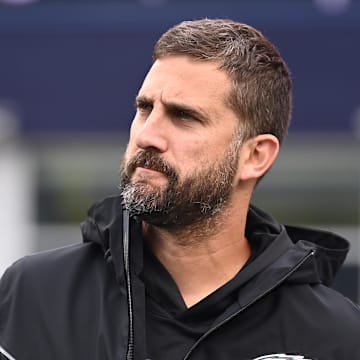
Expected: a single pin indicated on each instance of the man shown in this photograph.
(181, 266)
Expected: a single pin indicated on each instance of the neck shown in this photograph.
(200, 261)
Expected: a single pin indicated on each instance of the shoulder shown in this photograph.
(323, 313)
(316, 320)
(58, 295)
(53, 262)
(336, 309)
(337, 320)
(34, 275)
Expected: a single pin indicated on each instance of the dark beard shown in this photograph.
(196, 198)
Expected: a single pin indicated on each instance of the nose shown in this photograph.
(152, 132)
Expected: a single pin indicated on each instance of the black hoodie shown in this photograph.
(87, 301)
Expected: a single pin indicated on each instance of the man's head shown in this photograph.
(211, 113)
(261, 85)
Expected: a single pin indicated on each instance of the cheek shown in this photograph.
(208, 152)
(194, 154)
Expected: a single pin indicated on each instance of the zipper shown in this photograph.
(210, 331)
(126, 251)
(6, 354)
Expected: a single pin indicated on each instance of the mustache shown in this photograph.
(150, 160)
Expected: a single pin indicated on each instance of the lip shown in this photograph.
(149, 176)
(148, 171)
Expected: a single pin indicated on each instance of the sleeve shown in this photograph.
(10, 299)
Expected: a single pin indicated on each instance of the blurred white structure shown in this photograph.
(16, 192)
(333, 7)
(17, 2)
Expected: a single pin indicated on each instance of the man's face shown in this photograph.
(182, 156)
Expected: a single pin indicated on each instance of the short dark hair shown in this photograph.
(261, 92)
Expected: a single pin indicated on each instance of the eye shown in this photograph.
(183, 114)
(144, 106)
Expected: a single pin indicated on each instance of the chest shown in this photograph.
(258, 331)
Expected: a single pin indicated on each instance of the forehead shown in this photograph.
(182, 77)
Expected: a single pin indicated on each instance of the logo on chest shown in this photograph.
(282, 357)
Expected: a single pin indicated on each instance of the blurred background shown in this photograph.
(69, 71)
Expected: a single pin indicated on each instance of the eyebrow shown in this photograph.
(143, 100)
(174, 107)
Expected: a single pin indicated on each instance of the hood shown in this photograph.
(279, 243)
(329, 249)
(104, 217)
(104, 227)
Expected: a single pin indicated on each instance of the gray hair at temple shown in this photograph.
(261, 92)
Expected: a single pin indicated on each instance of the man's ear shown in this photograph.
(257, 155)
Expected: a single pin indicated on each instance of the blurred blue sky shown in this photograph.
(76, 66)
